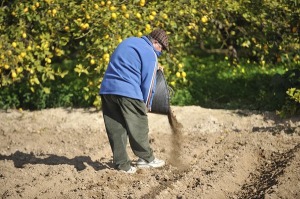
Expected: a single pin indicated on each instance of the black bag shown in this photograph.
(162, 96)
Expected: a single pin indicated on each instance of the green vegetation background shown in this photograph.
(224, 54)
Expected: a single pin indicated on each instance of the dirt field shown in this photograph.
(64, 153)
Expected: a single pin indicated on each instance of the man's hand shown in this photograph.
(160, 67)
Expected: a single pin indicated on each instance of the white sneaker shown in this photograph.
(131, 170)
(155, 163)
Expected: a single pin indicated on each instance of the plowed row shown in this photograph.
(64, 153)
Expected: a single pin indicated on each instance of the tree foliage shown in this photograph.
(52, 46)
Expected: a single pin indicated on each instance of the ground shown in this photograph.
(64, 153)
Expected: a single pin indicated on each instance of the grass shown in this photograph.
(214, 83)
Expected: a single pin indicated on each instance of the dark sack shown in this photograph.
(161, 99)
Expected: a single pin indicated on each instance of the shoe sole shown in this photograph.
(129, 172)
(150, 166)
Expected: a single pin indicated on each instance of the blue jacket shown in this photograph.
(131, 71)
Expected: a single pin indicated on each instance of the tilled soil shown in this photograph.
(235, 154)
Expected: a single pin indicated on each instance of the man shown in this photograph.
(126, 92)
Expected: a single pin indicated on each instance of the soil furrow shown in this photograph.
(271, 168)
(64, 153)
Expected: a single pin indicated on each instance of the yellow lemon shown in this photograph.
(19, 69)
(140, 34)
(183, 74)
(178, 74)
(48, 60)
(67, 28)
(13, 74)
(14, 44)
(82, 26)
(112, 8)
(54, 12)
(123, 7)
(126, 15)
(204, 19)
(105, 56)
(23, 54)
(165, 16)
(113, 15)
(6, 66)
(92, 61)
(138, 15)
(142, 2)
(151, 17)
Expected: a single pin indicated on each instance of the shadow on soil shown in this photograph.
(79, 162)
(280, 124)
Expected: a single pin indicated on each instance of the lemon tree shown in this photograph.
(49, 43)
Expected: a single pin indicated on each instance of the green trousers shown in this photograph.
(126, 119)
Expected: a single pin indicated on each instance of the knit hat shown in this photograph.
(161, 37)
